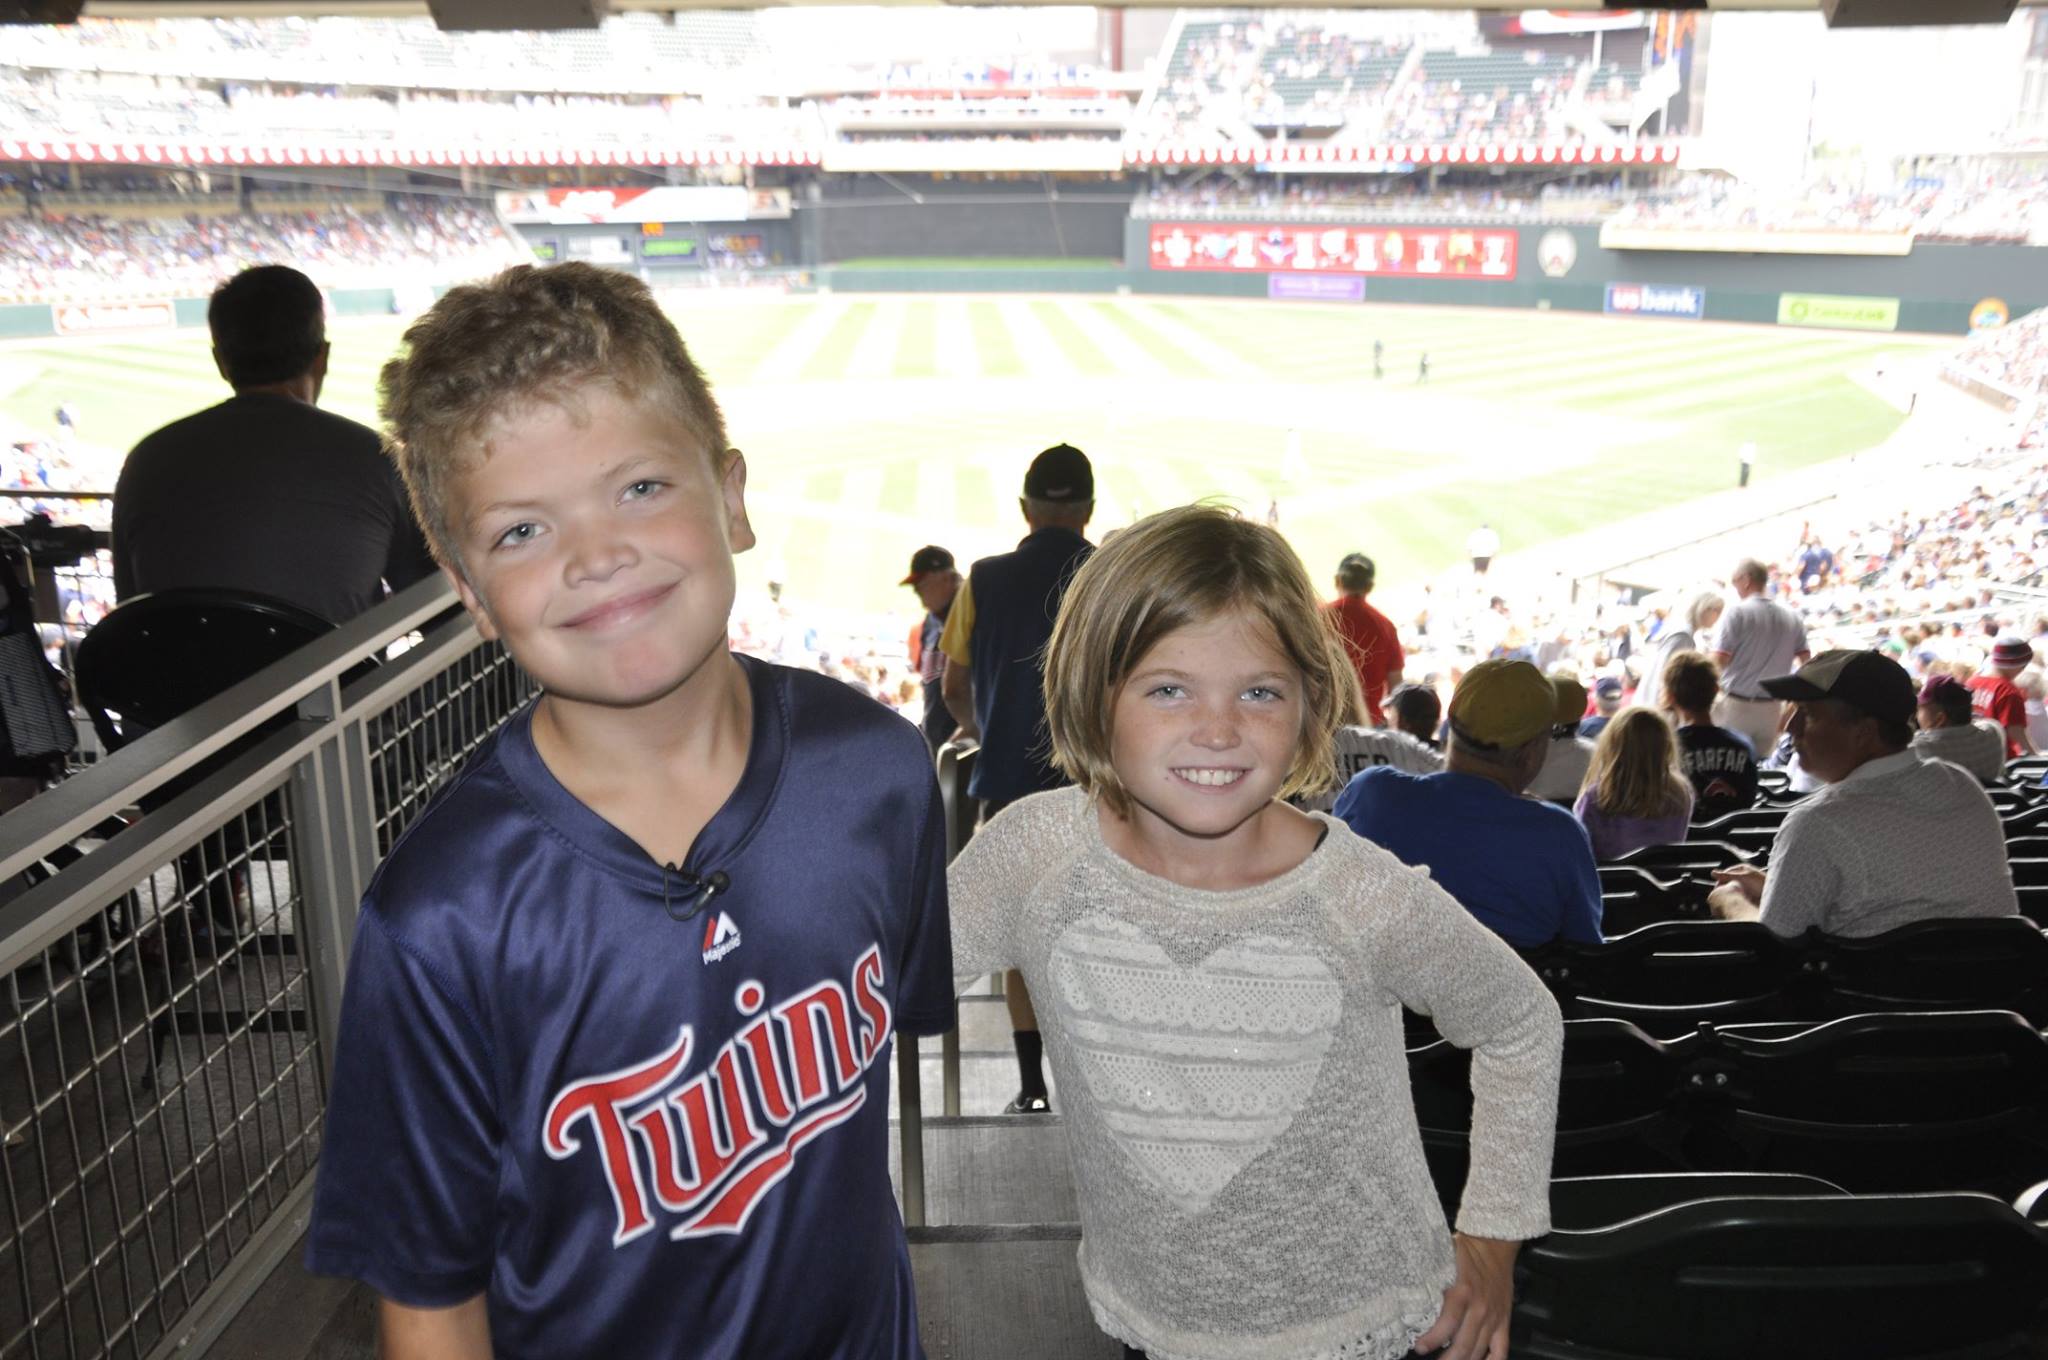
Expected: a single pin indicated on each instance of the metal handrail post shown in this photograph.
(910, 1128)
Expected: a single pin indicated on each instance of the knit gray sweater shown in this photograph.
(1231, 1069)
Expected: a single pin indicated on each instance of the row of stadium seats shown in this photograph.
(1879, 1104)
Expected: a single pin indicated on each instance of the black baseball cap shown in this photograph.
(926, 560)
(1869, 681)
(1062, 474)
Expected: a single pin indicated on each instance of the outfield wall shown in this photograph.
(1935, 288)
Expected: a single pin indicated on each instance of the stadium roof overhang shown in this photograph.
(565, 13)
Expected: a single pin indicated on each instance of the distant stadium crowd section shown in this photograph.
(2012, 358)
(1232, 77)
(1988, 206)
(151, 251)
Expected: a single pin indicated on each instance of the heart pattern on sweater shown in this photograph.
(1194, 1071)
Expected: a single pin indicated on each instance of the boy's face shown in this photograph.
(597, 541)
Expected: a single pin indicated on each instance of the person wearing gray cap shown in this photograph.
(1892, 838)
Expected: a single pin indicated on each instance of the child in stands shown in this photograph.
(1636, 793)
(1221, 979)
(612, 1078)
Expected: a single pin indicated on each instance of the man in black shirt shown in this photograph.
(266, 492)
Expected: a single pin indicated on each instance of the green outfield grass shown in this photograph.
(875, 424)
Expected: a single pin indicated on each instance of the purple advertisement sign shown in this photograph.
(1315, 287)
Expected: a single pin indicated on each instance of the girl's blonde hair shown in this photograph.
(1167, 572)
(1635, 770)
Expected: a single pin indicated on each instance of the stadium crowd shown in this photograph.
(93, 256)
(2010, 206)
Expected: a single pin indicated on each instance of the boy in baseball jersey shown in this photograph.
(612, 1077)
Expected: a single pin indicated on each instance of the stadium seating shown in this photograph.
(1895, 1103)
(1683, 1268)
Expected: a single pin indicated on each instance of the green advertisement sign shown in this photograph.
(1838, 312)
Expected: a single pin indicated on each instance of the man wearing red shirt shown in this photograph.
(1993, 695)
(1369, 637)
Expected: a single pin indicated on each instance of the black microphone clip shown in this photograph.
(697, 890)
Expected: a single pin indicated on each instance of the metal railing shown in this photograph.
(173, 976)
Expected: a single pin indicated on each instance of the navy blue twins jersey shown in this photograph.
(642, 1137)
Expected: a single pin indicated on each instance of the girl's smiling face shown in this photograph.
(1205, 730)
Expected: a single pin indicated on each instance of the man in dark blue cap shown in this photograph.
(994, 643)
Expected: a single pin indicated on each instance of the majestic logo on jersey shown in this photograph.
(721, 937)
(707, 1148)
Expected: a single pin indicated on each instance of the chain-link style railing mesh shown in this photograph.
(423, 738)
(160, 1095)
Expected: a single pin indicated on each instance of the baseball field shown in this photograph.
(874, 424)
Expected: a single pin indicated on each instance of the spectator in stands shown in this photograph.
(1993, 694)
(1892, 838)
(1719, 761)
(267, 493)
(994, 641)
(936, 581)
(1370, 639)
(1635, 793)
(1607, 692)
(1564, 769)
(1482, 545)
(1701, 613)
(1758, 637)
(1410, 744)
(1948, 731)
(1522, 866)
(1205, 951)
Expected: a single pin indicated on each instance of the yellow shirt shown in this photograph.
(959, 630)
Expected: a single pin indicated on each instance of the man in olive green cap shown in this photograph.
(1524, 868)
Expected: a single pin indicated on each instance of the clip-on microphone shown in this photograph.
(698, 891)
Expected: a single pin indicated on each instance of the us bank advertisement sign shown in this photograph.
(1657, 299)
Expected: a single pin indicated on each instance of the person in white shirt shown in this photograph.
(1757, 638)
(1564, 767)
(1481, 545)
(1686, 633)
(1948, 732)
(1410, 744)
(1892, 839)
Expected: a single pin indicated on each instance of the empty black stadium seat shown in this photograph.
(2030, 871)
(1751, 830)
(2033, 899)
(1997, 963)
(1632, 897)
(1578, 1203)
(1880, 1103)
(1690, 856)
(1670, 978)
(1820, 1276)
(1615, 1105)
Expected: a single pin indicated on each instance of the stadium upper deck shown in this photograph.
(710, 89)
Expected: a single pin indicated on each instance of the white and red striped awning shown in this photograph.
(1408, 153)
(281, 152)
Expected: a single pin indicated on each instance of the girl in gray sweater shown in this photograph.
(1220, 979)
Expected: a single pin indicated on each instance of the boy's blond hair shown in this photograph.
(1166, 572)
(527, 336)
(1635, 771)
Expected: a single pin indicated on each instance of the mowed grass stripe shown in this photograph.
(1664, 375)
(1081, 352)
(992, 341)
(731, 350)
(1170, 356)
(917, 345)
(835, 351)
(1687, 393)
